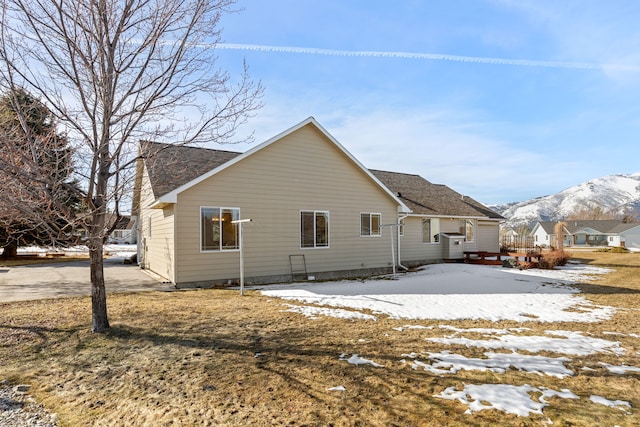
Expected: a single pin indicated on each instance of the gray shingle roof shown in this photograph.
(125, 222)
(601, 225)
(604, 226)
(171, 166)
(548, 226)
(624, 227)
(424, 197)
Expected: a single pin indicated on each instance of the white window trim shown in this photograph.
(474, 230)
(314, 229)
(430, 242)
(371, 225)
(221, 250)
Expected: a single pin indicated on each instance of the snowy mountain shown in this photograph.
(619, 194)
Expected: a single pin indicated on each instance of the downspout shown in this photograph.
(400, 219)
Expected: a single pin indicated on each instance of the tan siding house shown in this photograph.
(436, 210)
(156, 242)
(312, 204)
(306, 195)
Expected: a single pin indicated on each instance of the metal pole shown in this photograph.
(393, 253)
(241, 263)
(240, 223)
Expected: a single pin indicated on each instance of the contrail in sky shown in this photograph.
(428, 56)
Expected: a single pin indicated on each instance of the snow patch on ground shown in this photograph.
(78, 250)
(620, 404)
(620, 370)
(357, 360)
(402, 328)
(447, 363)
(314, 312)
(507, 398)
(571, 343)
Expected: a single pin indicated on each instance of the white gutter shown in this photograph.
(486, 218)
(398, 231)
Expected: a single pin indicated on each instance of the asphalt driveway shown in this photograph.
(72, 279)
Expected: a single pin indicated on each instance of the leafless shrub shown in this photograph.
(553, 259)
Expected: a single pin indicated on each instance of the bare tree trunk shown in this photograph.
(10, 251)
(99, 321)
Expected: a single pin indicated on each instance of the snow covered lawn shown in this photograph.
(458, 291)
(449, 292)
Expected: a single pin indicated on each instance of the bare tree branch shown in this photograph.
(113, 73)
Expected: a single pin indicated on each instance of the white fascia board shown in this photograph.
(172, 197)
(486, 218)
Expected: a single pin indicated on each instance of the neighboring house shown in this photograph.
(316, 211)
(509, 235)
(589, 233)
(124, 232)
(627, 235)
(544, 235)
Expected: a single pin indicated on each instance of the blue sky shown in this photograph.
(502, 100)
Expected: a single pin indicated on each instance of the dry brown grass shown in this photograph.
(211, 357)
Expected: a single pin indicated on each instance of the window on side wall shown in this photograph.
(217, 232)
(369, 224)
(467, 228)
(430, 230)
(314, 229)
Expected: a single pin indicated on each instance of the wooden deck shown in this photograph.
(496, 258)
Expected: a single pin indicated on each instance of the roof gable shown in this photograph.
(548, 226)
(171, 177)
(426, 198)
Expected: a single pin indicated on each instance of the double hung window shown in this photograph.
(217, 232)
(467, 228)
(430, 230)
(314, 229)
(369, 224)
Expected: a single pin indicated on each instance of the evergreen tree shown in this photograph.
(38, 199)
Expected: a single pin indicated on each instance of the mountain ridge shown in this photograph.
(617, 194)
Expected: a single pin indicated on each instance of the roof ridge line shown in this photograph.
(179, 145)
